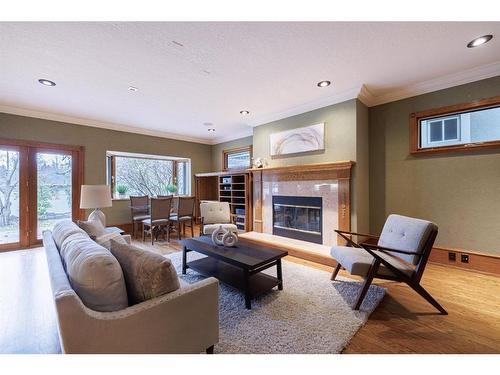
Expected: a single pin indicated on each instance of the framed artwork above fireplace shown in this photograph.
(306, 139)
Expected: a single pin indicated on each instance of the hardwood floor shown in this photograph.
(403, 323)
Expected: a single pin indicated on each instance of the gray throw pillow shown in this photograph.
(94, 228)
(147, 274)
(94, 274)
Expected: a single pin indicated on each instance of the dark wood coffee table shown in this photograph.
(239, 267)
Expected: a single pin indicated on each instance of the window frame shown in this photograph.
(235, 150)
(452, 110)
(111, 169)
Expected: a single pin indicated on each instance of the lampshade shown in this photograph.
(95, 196)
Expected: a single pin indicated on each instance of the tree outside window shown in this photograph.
(148, 176)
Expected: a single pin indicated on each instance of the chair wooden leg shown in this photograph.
(179, 225)
(425, 294)
(152, 235)
(143, 234)
(368, 282)
(192, 228)
(336, 271)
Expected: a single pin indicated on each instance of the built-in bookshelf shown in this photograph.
(232, 187)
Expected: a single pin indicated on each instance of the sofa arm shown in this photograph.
(184, 321)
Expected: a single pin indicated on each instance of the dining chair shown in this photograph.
(159, 220)
(185, 214)
(401, 254)
(139, 209)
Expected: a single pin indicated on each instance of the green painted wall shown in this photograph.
(459, 191)
(219, 148)
(97, 141)
(346, 138)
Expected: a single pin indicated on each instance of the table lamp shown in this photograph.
(96, 197)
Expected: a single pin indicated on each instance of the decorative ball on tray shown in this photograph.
(224, 237)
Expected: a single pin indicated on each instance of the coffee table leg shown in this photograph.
(279, 274)
(184, 256)
(248, 302)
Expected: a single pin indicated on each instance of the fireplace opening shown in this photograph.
(298, 217)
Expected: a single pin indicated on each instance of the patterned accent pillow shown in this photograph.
(147, 274)
(94, 228)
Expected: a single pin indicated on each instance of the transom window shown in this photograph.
(152, 175)
(237, 158)
(440, 131)
(464, 126)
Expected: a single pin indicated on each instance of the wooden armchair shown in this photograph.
(401, 254)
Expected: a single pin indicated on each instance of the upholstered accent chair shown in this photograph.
(213, 215)
(400, 254)
(184, 214)
(139, 209)
(159, 221)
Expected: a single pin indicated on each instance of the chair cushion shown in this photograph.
(358, 261)
(63, 229)
(94, 274)
(209, 229)
(140, 217)
(215, 212)
(147, 274)
(182, 218)
(155, 222)
(406, 233)
(94, 228)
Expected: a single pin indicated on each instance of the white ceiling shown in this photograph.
(271, 69)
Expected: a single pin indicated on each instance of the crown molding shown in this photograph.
(308, 106)
(360, 92)
(444, 82)
(233, 136)
(98, 124)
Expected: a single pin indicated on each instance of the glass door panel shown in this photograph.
(9, 196)
(54, 189)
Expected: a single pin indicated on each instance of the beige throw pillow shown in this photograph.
(94, 274)
(147, 274)
(94, 228)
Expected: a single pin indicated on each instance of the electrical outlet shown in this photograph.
(452, 257)
(464, 258)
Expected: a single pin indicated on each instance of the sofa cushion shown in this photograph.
(147, 274)
(94, 274)
(105, 239)
(94, 228)
(64, 229)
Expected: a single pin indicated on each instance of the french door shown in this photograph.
(39, 186)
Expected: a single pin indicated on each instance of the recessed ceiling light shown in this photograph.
(245, 112)
(133, 89)
(46, 82)
(211, 129)
(479, 41)
(324, 83)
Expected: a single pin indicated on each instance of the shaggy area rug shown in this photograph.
(312, 314)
